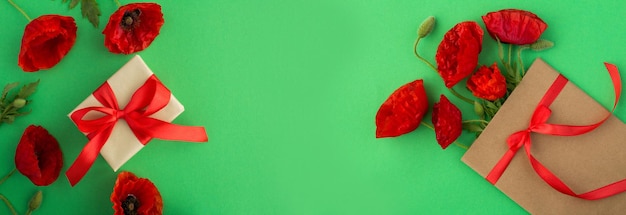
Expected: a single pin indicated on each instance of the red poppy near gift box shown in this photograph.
(119, 118)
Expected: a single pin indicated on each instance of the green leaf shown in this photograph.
(8, 88)
(73, 3)
(490, 105)
(90, 10)
(9, 119)
(13, 112)
(510, 85)
(509, 79)
(27, 90)
(23, 113)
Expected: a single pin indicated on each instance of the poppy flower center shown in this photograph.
(130, 205)
(130, 19)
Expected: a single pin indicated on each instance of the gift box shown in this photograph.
(542, 166)
(124, 114)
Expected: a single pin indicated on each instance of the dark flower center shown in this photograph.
(130, 205)
(130, 19)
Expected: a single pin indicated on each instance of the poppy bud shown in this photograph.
(35, 201)
(426, 27)
(479, 109)
(19, 103)
(541, 44)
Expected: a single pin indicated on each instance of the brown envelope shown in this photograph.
(585, 162)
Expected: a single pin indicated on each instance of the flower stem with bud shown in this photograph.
(9, 108)
(34, 202)
(424, 29)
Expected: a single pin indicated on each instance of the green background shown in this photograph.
(288, 91)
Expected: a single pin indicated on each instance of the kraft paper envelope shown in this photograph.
(584, 162)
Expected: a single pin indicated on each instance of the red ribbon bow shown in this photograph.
(538, 125)
(151, 97)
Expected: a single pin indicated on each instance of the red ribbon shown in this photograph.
(151, 97)
(538, 125)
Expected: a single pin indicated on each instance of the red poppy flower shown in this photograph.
(403, 111)
(133, 27)
(47, 39)
(133, 195)
(457, 54)
(38, 156)
(487, 83)
(447, 122)
(514, 26)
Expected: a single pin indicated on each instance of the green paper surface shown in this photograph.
(288, 91)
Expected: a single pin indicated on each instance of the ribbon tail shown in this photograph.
(497, 171)
(87, 157)
(146, 128)
(557, 184)
(187, 133)
(606, 191)
(549, 177)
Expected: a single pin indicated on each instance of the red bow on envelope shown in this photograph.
(151, 97)
(538, 125)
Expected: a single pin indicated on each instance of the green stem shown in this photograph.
(510, 47)
(8, 175)
(20, 10)
(500, 51)
(476, 120)
(521, 61)
(461, 96)
(5, 112)
(460, 145)
(117, 2)
(8, 203)
(455, 142)
(420, 57)
(428, 125)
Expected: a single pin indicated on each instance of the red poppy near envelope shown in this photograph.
(123, 115)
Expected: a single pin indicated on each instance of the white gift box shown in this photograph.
(122, 143)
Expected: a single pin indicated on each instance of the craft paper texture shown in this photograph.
(122, 144)
(583, 162)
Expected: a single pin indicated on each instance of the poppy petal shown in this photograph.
(403, 111)
(447, 122)
(38, 156)
(133, 27)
